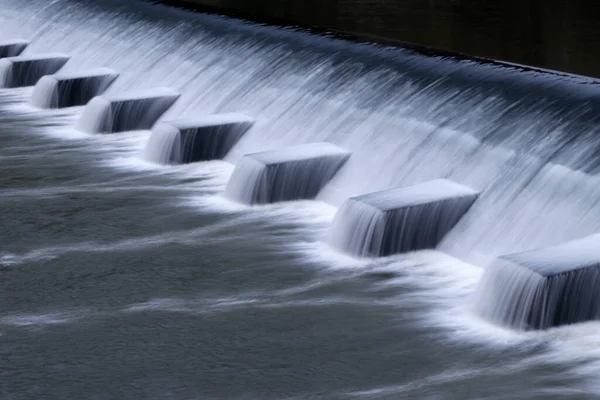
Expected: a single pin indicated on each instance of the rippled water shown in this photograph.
(123, 279)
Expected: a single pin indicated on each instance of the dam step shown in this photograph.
(294, 173)
(400, 220)
(137, 110)
(71, 89)
(12, 48)
(205, 138)
(543, 288)
(21, 71)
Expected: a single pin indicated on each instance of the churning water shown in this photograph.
(123, 278)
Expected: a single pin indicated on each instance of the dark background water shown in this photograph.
(554, 34)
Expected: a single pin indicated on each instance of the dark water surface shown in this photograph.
(122, 279)
(113, 289)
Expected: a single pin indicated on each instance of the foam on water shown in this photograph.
(528, 141)
(187, 237)
(38, 320)
(405, 117)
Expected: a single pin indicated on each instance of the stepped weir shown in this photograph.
(136, 110)
(522, 143)
(71, 89)
(543, 288)
(201, 139)
(293, 173)
(21, 71)
(400, 220)
(12, 48)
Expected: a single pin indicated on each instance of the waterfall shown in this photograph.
(543, 288)
(400, 220)
(293, 173)
(527, 140)
(12, 48)
(164, 144)
(23, 71)
(71, 89)
(200, 139)
(126, 112)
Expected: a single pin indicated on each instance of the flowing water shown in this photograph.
(125, 279)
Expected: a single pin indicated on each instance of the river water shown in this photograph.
(122, 279)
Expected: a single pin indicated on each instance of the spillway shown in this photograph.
(201, 139)
(543, 288)
(135, 110)
(26, 70)
(126, 279)
(293, 173)
(400, 220)
(71, 89)
(527, 140)
(12, 48)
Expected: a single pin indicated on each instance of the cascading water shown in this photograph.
(293, 173)
(26, 70)
(12, 48)
(126, 112)
(202, 139)
(400, 220)
(70, 90)
(543, 288)
(527, 140)
(236, 285)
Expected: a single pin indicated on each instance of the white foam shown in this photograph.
(37, 319)
(187, 237)
(191, 306)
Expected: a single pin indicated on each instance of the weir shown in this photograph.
(71, 89)
(12, 48)
(23, 71)
(294, 173)
(527, 140)
(543, 288)
(400, 220)
(130, 111)
(198, 139)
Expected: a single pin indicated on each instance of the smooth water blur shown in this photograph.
(526, 139)
(127, 279)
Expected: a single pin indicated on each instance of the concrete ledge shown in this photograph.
(71, 89)
(400, 220)
(205, 138)
(543, 288)
(24, 71)
(137, 110)
(293, 173)
(12, 48)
